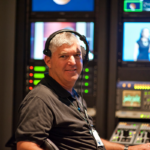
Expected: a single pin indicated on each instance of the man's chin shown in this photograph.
(72, 79)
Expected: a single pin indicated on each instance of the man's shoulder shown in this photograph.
(42, 93)
(41, 90)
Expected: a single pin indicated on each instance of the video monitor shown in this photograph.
(62, 5)
(136, 42)
(131, 98)
(40, 31)
(136, 5)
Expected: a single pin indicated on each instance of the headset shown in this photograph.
(85, 52)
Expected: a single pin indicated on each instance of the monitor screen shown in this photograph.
(40, 31)
(62, 5)
(136, 41)
(136, 5)
(131, 98)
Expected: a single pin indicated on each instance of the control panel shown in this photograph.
(89, 82)
(131, 133)
(143, 135)
(133, 99)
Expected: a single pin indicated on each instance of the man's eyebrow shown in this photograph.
(63, 53)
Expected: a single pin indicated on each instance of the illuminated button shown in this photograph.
(31, 74)
(124, 85)
(39, 68)
(35, 82)
(86, 69)
(39, 75)
(31, 67)
(147, 116)
(134, 124)
(30, 88)
(86, 84)
(30, 81)
(129, 85)
(86, 91)
(86, 77)
(142, 115)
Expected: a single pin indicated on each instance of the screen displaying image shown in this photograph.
(136, 41)
(131, 98)
(62, 5)
(40, 31)
(136, 5)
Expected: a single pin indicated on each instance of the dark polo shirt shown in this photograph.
(49, 111)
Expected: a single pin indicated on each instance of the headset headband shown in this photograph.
(82, 38)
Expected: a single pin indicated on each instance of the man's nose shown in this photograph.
(71, 60)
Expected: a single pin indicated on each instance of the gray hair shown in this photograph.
(62, 38)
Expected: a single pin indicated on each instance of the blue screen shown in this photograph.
(62, 5)
(146, 5)
(137, 5)
(136, 41)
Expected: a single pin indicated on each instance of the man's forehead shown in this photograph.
(65, 48)
(63, 51)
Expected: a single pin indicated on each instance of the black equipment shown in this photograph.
(47, 51)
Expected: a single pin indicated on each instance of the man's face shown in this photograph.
(66, 64)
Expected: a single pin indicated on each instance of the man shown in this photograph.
(53, 110)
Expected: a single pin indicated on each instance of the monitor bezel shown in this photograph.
(120, 61)
(28, 50)
(132, 14)
(60, 14)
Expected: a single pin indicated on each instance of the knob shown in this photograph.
(148, 134)
(143, 134)
(126, 132)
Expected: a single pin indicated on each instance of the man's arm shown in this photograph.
(25, 145)
(115, 146)
(112, 146)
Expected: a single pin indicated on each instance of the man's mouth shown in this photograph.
(71, 70)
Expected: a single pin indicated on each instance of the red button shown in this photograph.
(31, 67)
(31, 74)
(30, 88)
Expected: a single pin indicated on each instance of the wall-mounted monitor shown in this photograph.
(40, 31)
(62, 5)
(136, 42)
(136, 5)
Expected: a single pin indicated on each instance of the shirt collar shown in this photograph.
(57, 88)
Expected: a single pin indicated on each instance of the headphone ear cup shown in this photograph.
(47, 52)
(83, 51)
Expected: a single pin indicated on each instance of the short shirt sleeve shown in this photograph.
(35, 121)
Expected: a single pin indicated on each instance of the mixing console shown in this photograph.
(129, 133)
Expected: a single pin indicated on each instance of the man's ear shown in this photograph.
(47, 61)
